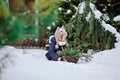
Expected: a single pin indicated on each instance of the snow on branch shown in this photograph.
(102, 18)
(109, 27)
(97, 13)
(117, 18)
(81, 7)
(88, 16)
(113, 31)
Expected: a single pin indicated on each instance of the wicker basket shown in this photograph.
(69, 58)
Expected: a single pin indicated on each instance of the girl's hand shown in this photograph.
(56, 46)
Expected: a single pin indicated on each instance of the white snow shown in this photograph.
(88, 16)
(105, 17)
(73, 16)
(109, 27)
(53, 23)
(104, 9)
(117, 18)
(81, 7)
(49, 27)
(6, 58)
(60, 8)
(68, 11)
(31, 64)
(97, 13)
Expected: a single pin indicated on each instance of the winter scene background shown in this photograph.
(93, 28)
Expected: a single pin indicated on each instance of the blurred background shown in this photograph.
(26, 20)
(29, 23)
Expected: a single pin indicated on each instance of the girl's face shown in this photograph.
(62, 38)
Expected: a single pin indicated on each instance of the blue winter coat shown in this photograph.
(52, 52)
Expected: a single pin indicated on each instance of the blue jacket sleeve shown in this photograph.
(52, 45)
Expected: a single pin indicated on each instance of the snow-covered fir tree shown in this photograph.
(86, 30)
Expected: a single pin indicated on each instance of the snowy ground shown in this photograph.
(31, 64)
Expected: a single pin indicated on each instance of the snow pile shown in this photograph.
(117, 18)
(31, 64)
(6, 57)
(109, 57)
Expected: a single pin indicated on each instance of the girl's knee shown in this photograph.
(48, 56)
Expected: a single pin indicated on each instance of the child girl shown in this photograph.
(57, 42)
